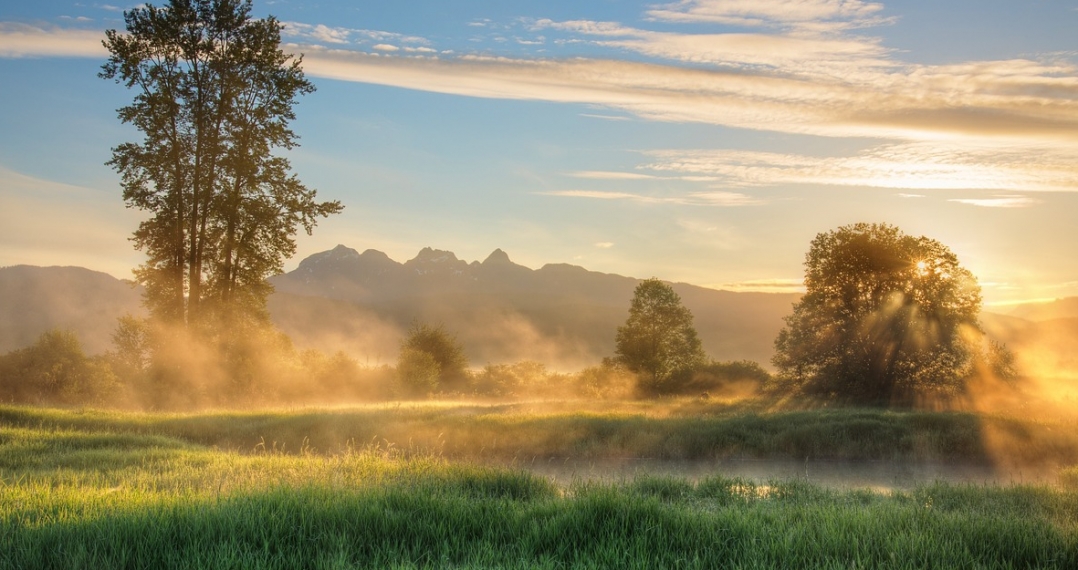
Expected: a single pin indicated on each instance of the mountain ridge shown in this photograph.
(560, 314)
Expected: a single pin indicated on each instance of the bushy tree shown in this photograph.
(658, 341)
(431, 349)
(886, 318)
(55, 371)
(213, 101)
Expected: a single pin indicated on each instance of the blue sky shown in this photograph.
(704, 141)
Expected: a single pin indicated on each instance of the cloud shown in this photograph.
(717, 198)
(834, 54)
(604, 244)
(1010, 201)
(21, 40)
(605, 117)
(605, 175)
(320, 33)
(766, 286)
(800, 15)
(1006, 100)
(936, 165)
(1009, 125)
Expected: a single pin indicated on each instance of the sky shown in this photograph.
(699, 141)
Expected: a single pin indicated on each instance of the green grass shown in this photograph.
(211, 509)
(671, 430)
(110, 490)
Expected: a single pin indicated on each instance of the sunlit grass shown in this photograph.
(679, 429)
(92, 489)
(104, 497)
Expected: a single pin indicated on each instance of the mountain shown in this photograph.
(560, 314)
(36, 299)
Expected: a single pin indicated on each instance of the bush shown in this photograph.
(451, 374)
(55, 371)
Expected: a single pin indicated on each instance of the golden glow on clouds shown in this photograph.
(938, 165)
(1006, 201)
(710, 198)
(766, 286)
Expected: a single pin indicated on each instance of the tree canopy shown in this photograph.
(213, 102)
(658, 340)
(886, 317)
(432, 359)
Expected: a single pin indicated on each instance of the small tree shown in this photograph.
(444, 352)
(55, 371)
(886, 318)
(658, 341)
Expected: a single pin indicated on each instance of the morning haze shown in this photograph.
(696, 284)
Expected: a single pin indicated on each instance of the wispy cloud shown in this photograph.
(1009, 201)
(716, 198)
(604, 244)
(766, 286)
(606, 175)
(605, 117)
(318, 33)
(322, 34)
(1011, 100)
(21, 40)
(824, 54)
(939, 165)
(796, 15)
(1003, 126)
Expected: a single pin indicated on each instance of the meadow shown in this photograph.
(449, 485)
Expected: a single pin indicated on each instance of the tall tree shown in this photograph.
(213, 100)
(886, 318)
(658, 340)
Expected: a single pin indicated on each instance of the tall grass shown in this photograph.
(153, 502)
(106, 490)
(678, 429)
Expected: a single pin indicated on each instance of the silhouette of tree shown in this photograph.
(658, 341)
(886, 318)
(213, 101)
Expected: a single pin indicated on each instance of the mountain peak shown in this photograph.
(333, 256)
(374, 254)
(497, 256)
(429, 255)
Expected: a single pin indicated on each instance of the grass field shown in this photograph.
(89, 489)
